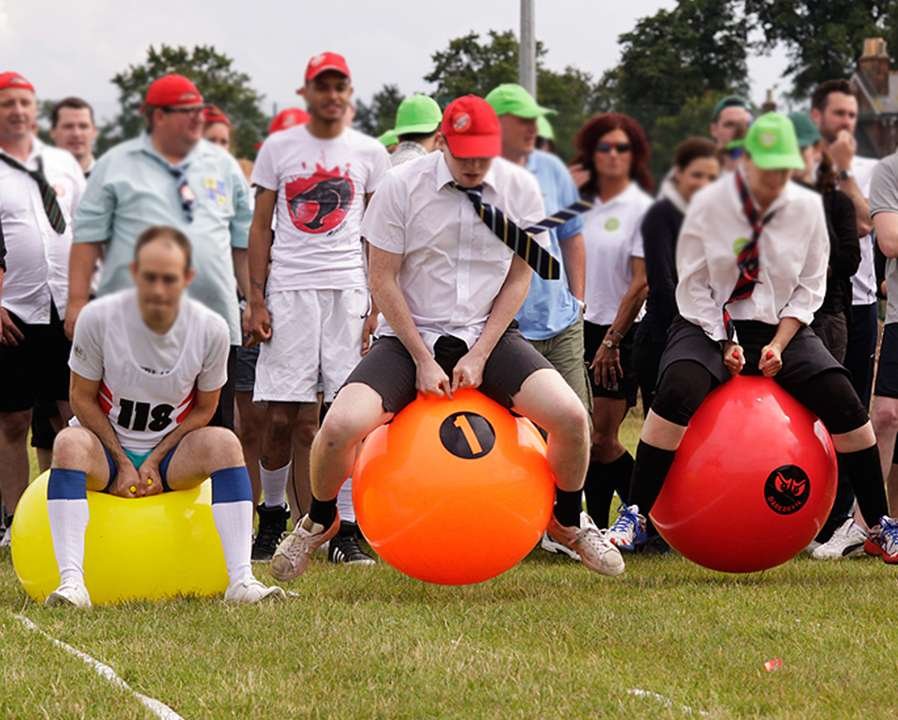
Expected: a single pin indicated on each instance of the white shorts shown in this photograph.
(316, 341)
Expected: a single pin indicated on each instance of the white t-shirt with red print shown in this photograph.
(321, 187)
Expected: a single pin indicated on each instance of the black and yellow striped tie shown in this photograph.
(48, 194)
(521, 241)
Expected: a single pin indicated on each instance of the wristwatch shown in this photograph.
(845, 175)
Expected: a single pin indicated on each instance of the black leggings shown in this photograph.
(829, 395)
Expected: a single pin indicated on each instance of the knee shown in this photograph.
(885, 417)
(219, 446)
(280, 424)
(305, 432)
(71, 448)
(14, 426)
(682, 389)
(570, 422)
(341, 430)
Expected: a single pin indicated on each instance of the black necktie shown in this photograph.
(48, 194)
(521, 241)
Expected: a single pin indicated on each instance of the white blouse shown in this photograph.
(793, 248)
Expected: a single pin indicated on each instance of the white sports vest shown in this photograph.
(144, 406)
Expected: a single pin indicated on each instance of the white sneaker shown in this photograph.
(6, 540)
(847, 541)
(591, 544)
(248, 592)
(293, 553)
(556, 548)
(69, 593)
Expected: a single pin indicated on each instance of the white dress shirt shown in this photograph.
(793, 249)
(37, 257)
(453, 265)
(863, 282)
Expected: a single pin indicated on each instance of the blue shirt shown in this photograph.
(132, 187)
(550, 307)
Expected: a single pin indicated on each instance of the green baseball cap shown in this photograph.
(728, 101)
(417, 114)
(512, 99)
(389, 138)
(772, 144)
(544, 128)
(805, 130)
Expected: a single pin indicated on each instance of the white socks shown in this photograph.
(274, 485)
(68, 523)
(234, 522)
(344, 502)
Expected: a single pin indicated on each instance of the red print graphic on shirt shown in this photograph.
(320, 202)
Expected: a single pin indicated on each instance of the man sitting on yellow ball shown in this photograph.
(147, 367)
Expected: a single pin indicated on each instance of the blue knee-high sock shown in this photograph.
(67, 508)
(232, 509)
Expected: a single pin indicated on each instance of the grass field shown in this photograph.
(666, 640)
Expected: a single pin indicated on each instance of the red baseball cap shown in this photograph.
(288, 118)
(170, 90)
(326, 61)
(14, 80)
(214, 114)
(471, 128)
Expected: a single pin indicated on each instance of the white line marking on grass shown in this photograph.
(159, 709)
(664, 700)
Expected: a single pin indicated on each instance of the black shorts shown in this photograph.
(245, 370)
(804, 357)
(389, 370)
(42, 432)
(627, 387)
(37, 369)
(887, 374)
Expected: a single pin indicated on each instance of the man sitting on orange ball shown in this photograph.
(449, 288)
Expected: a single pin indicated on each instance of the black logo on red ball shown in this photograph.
(787, 489)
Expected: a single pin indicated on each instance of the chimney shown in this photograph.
(874, 66)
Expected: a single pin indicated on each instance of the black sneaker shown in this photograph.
(344, 547)
(272, 524)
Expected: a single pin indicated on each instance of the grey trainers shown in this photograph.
(293, 553)
(591, 544)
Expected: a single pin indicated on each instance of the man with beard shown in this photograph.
(311, 310)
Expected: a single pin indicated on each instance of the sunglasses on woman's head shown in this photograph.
(621, 148)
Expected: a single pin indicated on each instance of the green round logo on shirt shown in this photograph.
(612, 224)
(739, 244)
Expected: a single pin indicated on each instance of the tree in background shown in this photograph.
(214, 75)
(823, 39)
(678, 60)
(379, 115)
(474, 65)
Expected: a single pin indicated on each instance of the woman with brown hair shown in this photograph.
(613, 150)
(695, 165)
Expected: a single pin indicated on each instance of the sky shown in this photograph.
(75, 48)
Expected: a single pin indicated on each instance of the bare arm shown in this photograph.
(82, 261)
(240, 257)
(632, 301)
(260, 239)
(861, 206)
(573, 251)
(886, 225)
(384, 271)
(83, 396)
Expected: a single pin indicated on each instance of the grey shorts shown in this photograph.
(389, 370)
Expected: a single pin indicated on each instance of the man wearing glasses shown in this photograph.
(170, 176)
